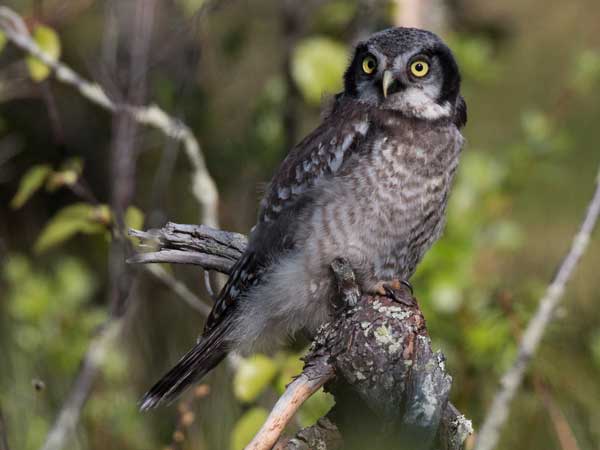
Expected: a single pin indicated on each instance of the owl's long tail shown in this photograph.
(201, 359)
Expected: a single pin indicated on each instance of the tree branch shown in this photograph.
(512, 379)
(200, 245)
(203, 186)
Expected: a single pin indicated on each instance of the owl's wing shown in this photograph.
(320, 155)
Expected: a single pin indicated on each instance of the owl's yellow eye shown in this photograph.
(419, 68)
(369, 64)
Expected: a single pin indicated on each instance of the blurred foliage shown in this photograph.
(255, 374)
(247, 426)
(531, 80)
(316, 67)
(51, 322)
(33, 180)
(2, 41)
(75, 218)
(47, 39)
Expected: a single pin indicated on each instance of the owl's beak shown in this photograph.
(389, 83)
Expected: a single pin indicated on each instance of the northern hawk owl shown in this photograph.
(369, 184)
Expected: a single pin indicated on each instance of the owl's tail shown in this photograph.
(201, 359)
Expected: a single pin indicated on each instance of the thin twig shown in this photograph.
(208, 286)
(203, 186)
(498, 412)
(563, 430)
(296, 393)
(179, 288)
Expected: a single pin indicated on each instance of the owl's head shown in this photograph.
(407, 70)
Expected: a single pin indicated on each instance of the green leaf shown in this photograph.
(76, 218)
(68, 174)
(317, 67)
(33, 179)
(246, 427)
(253, 376)
(134, 218)
(48, 41)
(291, 367)
(315, 407)
(2, 40)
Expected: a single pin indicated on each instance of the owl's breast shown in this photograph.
(384, 212)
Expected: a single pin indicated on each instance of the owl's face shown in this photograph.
(407, 70)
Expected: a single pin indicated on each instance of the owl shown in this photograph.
(370, 184)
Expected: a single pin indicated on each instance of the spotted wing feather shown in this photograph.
(320, 155)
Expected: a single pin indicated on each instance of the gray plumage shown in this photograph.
(370, 184)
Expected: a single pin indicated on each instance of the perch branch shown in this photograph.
(203, 186)
(498, 412)
(322, 435)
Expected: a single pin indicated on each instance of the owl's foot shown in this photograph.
(389, 288)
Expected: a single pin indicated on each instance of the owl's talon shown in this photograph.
(408, 285)
(389, 289)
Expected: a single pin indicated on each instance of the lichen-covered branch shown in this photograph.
(322, 435)
(512, 379)
(203, 186)
(390, 386)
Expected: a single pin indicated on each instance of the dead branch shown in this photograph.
(201, 245)
(512, 379)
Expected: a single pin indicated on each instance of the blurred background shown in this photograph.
(248, 79)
